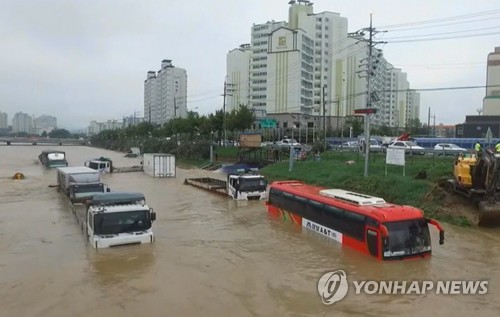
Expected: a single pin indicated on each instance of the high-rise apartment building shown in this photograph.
(4, 123)
(491, 102)
(310, 65)
(22, 122)
(258, 66)
(238, 75)
(44, 124)
(165, 94)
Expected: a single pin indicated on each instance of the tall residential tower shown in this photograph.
(165, 94)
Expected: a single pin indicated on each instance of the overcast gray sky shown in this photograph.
(87, 60)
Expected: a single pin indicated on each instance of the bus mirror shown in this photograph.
(441, 237)
(108, 189)
(153, 215)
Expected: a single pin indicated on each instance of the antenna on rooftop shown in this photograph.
(479, 111)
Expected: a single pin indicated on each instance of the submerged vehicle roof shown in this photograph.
(77, 170)
(101, 159)
(112, 198)
(52, 151)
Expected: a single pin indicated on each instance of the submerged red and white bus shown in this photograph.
(365, 223)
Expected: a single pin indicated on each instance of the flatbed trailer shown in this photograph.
(241, 186)
(211, 184)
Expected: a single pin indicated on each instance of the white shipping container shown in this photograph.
(159, 164)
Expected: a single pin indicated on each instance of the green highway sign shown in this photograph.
(268, 123)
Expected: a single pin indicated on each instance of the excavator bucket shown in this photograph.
(489, 214)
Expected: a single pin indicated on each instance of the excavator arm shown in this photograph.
(489, 175)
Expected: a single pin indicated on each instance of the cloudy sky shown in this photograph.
(83, 60)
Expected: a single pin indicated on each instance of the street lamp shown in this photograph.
(211, 143)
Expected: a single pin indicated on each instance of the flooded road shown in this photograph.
(212, 256)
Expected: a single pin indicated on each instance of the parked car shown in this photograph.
(374, 144)
(449, 148)
(288, 142)
(408, 146)
(350, 145)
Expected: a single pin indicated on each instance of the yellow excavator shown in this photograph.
(477, 176)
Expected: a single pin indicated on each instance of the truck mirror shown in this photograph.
(108, 189)
(153, 216)
(441, 237)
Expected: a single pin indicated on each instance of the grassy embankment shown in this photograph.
(333, 172)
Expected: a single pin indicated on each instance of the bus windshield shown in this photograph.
(252, 184)
(407, 238)
(122, 222)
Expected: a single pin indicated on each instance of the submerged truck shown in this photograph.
(159, 164)
(79, 183)
(105, 165)
(101, 164)
(116, 218)
(243, 185)
(53, 158)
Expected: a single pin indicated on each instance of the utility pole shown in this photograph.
(324, 118)
(224, 123)
(368, 99)
(434, 125)
(338, 114)
(359, 35)
(429, 122)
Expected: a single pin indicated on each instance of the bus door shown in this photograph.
(372, 241)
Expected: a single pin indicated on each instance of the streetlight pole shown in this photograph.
(368, 99)
(324, 119)
(224, 123)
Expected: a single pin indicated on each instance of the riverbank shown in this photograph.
(418, 187)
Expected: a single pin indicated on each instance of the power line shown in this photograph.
(441, 88)
(464, 16)
(442, 25)
(443, 33)
(445, 38)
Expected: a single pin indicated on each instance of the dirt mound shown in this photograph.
(451, 206)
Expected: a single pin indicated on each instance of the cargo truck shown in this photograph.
(79, 183)
(243, 185)
(159, 164)
(116, 219)
(53, 158)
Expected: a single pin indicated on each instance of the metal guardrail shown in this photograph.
(32, 141)
(407, 151)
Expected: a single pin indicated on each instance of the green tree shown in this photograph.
(356, 124)
(60, 134)
(413, 126)
(44, 134)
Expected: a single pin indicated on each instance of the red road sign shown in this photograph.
(365, 111)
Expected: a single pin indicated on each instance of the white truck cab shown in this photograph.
(118, 218)
(102, 165)
(246, 185)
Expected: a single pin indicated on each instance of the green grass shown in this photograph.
(230, 151)
(333, 172)
(191, 163)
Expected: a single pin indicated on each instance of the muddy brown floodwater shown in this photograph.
(212, 256)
